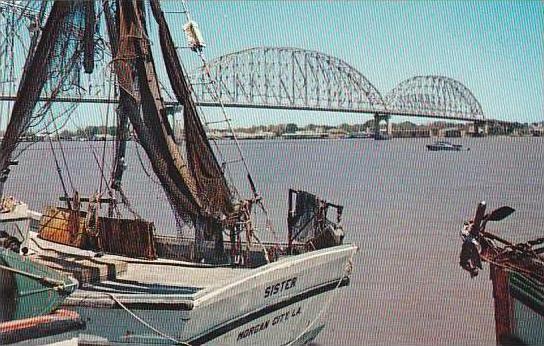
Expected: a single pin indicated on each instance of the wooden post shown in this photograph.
(504, 319)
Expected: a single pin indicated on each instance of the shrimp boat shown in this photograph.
(220, 286)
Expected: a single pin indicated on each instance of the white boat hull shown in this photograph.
(281, 303)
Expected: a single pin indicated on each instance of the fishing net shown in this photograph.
(304, 218)
(309, 221)
(137, 78)
(65, 47)
(52, 67)
(213, 190)
(127, 104)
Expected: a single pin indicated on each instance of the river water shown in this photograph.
(404, 207)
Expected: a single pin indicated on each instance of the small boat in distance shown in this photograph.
(443, 145)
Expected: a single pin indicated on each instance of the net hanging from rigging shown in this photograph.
(137, 77)
(51, 67)
(213, 190)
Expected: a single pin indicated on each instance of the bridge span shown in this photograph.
(298, 79)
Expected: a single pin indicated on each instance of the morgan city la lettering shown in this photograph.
(276, 320)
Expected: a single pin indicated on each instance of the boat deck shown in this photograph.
(119, 274)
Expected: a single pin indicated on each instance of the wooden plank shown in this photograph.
(504, 314)
(133, 238)
(126, 237)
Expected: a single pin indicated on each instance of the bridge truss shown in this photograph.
(263, 77)
(287, 78)
(435, 97)
(291, 78)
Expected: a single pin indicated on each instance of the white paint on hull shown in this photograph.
(238, 312)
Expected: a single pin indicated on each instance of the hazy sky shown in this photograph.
(495, 48)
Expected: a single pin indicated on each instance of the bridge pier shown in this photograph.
(481, 128)
(378, 118)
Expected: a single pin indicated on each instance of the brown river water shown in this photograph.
(404, 207)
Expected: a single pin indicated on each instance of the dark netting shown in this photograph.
(51, 67)
(304, 218)
(88, 38)
(127, 104)
(135, 68)
(213, 191)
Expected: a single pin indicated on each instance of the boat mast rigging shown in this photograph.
(196, 44)
(50, 65)
(196, 184)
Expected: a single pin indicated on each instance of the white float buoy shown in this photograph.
(194, 36)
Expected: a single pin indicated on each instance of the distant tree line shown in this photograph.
(91, 132)
(88, 132)
(280, 129)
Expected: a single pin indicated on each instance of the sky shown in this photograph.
(495, 48)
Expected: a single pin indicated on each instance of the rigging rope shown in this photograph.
(62, 153)
(102, 165)
(66, 113)
(95, 156)
(502, 257)
(514, 268)
(59, 172)
(57, 284)
(143, 165)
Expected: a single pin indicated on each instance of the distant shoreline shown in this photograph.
(293, 137)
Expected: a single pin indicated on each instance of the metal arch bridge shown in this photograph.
(292, 78)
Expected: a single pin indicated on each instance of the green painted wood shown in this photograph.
(528, 291)
(29, 289)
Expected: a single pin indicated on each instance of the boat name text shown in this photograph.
(283, 317)
(280, 287)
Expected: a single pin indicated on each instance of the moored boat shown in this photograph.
(446, 146)
(222, 285)
(30, 293)
(517, 274)
(171, 300)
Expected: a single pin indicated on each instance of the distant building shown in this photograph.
(305, 135)
(256, 135)
(537, 129)
(337, 133)
(450, 132)
(103, 137)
